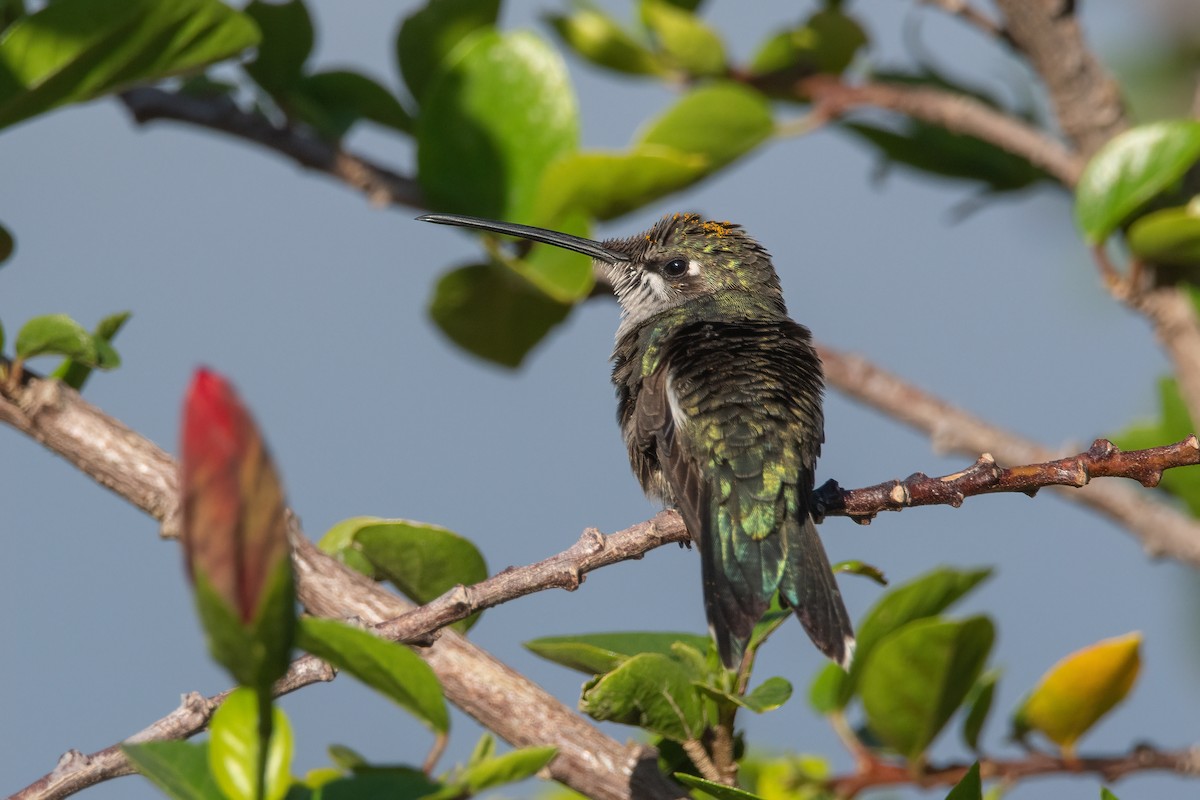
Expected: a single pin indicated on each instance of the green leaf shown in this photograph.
(1105, 794)
(720, 121)
(235, 753)
(768, 623)
(919, 675)
(333, 101)
(826, 42)
(607, 185)
(1128, 171)
(687, 42)
(7, 245)
(494, 313)
(483, 749)
(597, 653)
(387, 667)
(75, 374)
(491, 123)
(509, 768)
(825, 692)
(1169, 237)
(339, 542)
(651, 691)
(926, 596)
(57, 334)
(861, 568)
(598, 38)
(378, 783)
(979, 703)
(770, 695)
(718, 790)
(76, 50)
(423, 561)
(429, 36)
(1, 338)
(179, 769)
(562, 274)
(969, 788)
(287, 42)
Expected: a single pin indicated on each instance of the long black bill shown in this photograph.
(564, 240)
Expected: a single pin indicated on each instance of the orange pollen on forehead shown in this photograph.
(714, 228)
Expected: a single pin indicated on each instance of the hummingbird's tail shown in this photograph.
(742, 573)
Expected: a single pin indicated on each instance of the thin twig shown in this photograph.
(381, 185)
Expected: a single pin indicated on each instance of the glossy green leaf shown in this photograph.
(76, 50)
(969, 788)
(387, 667)
(235, 752)
(339, 542)
(598, 38)
(1169, 237)
(74, 373)
(428, 37)
(926, 596)
(287, 42)
(607, 185)
(826, 42)
(491, 123)
(179, 769)
(489, 310)
(718, 790)
(768, 696)
(651, 691)
(56, 334)
(333, 101)
(979, 704)
(687, 42)
(7, 245)
(562, 274)
(1128, 171)
(1174, 423)
(597, 653)
(919, 675)
(423, 561)
(720, 121)
(508, 768)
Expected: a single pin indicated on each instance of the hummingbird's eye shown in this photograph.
(675, 268)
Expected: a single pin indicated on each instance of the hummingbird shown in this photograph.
(719, 402)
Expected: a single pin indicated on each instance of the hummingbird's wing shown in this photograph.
(735, 411)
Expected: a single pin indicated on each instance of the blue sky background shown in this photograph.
(314, 304)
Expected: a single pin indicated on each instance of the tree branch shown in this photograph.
(1141, 759)
(381, 185)
(955, 112)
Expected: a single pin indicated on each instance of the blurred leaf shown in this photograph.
(387, 667)
(235, 753)
(825, 692)
(179, 769)
(969, 788)
(562, 274)
(491, 123)
(862, 568)
(718, 790)
(651, 691)
(926, 596)
(346, 758)
(494, 313)
(287, 42)
(597, 653)
(333, 101)
(1174, 423)
(1129, 170)
(1169, 237)
(826, 42)
(339, 542)
(979, 703)
(685, 39)
(598, 38)
(1105, 794)
(2, 339)
(429, 36)
(483, 750)
(919, 675)
(1080, 689)
(56, 334)
(7, 244)
(74, 373)
(607, 185)
(720, 121)
(379, 783)
(509, 768)
(234, 534)
(75, 50)
(423, 561)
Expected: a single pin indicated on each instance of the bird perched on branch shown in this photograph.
(720, 405)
